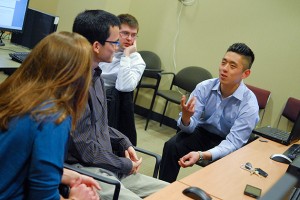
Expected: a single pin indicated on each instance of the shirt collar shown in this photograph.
(238, 93)
(97, 72)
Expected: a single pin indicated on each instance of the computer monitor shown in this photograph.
(37, 25)
(12, 15)
(282, 190)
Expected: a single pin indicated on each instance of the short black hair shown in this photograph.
(243, 49)
(95, 25)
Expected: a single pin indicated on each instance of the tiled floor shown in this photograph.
(153, 140)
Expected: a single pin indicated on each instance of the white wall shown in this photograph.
(270, 27)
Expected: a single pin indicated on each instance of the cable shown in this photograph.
(187, 2)
(174, 44)
(175, 39)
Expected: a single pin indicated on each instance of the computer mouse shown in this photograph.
(281, 158)
(196, 193)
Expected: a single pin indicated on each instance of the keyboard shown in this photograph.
(293, 151)
(274, 132)
(18, 56)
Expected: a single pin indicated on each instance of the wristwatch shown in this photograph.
(201, 155)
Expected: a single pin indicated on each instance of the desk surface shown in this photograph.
(172, 192)
(5, 60)
(226, 180)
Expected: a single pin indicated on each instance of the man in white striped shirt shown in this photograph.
(121, 77)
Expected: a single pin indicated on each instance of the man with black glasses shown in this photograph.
(121, 77)
(94, 145)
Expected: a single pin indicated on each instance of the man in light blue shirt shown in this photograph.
(218, 118)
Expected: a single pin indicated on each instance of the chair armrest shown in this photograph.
(64, 190)
(153, 70)
(98, 178)
(151, 73)
(156, 156)
(167, 73)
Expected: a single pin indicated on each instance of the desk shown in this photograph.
(226, 180)
(6, 63)
(172, 192)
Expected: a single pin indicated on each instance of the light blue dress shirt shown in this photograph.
(232, 118)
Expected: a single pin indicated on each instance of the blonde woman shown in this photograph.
(39, 105)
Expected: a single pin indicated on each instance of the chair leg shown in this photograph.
(136, 94)
(163, 115)
(150, 110)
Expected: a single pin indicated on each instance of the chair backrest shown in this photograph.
(189, 77)
(152, 61)
(291, 109)
(262, 97)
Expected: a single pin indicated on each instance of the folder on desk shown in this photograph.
(280, 136)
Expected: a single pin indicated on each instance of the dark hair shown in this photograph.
(95, 25)
(243, 49)
(130, 20)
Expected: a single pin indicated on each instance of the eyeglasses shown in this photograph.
(125, 34)
(114, 43)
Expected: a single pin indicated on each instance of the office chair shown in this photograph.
(64, 189)
(153, 67)
(291, 110)
(186, 79)
(262, 97)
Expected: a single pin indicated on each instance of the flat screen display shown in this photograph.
(12, 14)
(37, 25)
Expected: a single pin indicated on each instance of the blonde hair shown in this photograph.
(54, 79)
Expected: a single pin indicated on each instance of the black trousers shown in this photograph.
(120, 110)
(181, 144)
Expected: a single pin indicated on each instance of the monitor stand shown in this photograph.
(1, 42)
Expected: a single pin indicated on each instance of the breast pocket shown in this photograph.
(229, 119)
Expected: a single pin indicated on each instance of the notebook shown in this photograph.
(280, 136)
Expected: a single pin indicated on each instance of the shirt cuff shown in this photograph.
(215, 155)
(127, 166)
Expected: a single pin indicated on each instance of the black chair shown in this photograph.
(153, 67)
(156, 156)
(186, 79)
(64, 190)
